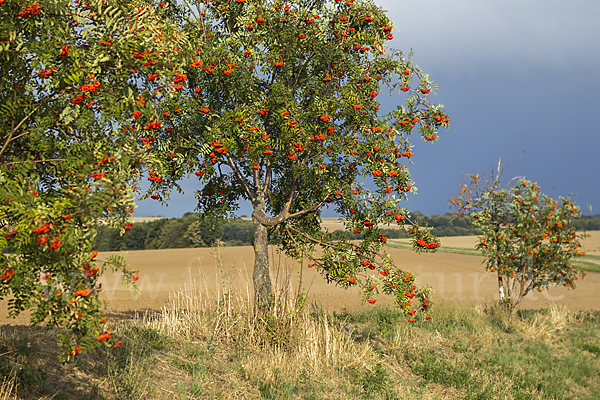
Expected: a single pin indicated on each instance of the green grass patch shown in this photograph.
(130, 366)
(377, 322)
(590, 347)
(441, 249)
(285, 389)
(461, 353)
(486, 355)
(587, 266)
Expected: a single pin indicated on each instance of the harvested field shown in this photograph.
(455, 276)
(591, 245)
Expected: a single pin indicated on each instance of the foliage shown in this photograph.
(71, 81)
(527, 237)
(172, 233)
(238, 232)
(448, 224)
(203, 233)
(279, 107)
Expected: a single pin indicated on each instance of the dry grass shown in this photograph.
(545, 326)
(7, 388)
(207, 342)
(30, 367)
(289, 341)
(204, 345)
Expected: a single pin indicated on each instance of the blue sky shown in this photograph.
(515, 77)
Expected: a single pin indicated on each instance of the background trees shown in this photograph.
(171, 233)
(238, 232)
(527, 238)
(279, 107)
(71, 88)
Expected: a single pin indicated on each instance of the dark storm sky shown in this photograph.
(514, 76)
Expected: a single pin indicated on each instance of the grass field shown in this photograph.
(201, 347)
(193, 334)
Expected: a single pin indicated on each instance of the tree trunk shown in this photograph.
(510, 287)
(500, 290)
(515, 307)
(263, 292)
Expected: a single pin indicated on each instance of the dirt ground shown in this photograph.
(455, 276)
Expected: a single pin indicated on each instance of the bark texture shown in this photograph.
(263, 291)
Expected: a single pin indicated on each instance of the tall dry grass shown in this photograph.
(291, 340)
(8, 388)
(546, 326)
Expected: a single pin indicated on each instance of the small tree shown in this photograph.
(527, 237)
(73, 79)
(278, 106)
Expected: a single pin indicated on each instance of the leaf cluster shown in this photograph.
(70, 82)
(527, 238)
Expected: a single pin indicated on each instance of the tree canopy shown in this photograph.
(70, 82)
(278, 107)
(265, 101)
(527, 238)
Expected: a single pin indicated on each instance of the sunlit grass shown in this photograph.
(587, 266)
(212, 344)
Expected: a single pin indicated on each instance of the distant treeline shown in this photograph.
(448, 224)
(175, 233)
(441, 225)
(587, 223)
(191, 231)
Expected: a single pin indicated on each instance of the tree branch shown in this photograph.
(268, 176)
(313, 208)
(14, 129)
(316, 241)
(37, 161)
(241, 178)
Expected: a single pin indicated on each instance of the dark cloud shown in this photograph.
(515, 76)
(465, 36)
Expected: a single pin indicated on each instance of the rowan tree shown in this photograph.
(279, 107)
(527, 237)
(70, 87)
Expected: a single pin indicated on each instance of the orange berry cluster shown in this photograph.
(32, 9)
(422, 243)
